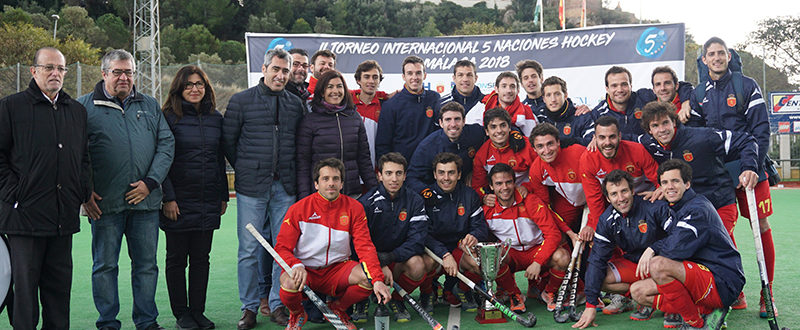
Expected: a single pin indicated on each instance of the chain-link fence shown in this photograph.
(81, 79)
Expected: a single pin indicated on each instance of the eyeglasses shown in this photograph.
(119, 72)
(200, 85)
(49, 68)
(304, 65)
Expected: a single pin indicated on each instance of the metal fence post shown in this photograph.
(199, 65)
(17, 77)
(78, 85)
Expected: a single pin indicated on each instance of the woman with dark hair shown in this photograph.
(334, 128)
(195, 193)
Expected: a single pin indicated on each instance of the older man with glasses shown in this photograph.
(131, 147)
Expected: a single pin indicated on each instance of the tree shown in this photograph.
(192, 40)
(430, 30)
(476, 28)
(779, 37)
(323, 25)
(268, 23)
(215, 15)
(232, 51)
(301, 26)
(363, 18)
(14, 15)
(75, 21)
(118, 34)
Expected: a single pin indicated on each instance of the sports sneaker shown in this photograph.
(401, 315)
(605, 297)
(518, 303)
(360, 311)
(672, 321)
(344, 318)
(580, 299)
(550, 300)
(619, 304)
(437, 290)
(716, 319)
(502, 296)
(762, 309)
(642, 313)
(296, 321)
(600, 305)
(740, 302)
(450, 298)
(426, 302)
(468, 303)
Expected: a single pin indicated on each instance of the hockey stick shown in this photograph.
(527, 322)
(762, 267)
(562, 290)
(323, 307)
(425, 316)
(573, 316)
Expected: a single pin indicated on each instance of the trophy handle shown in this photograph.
(507, 246)
(477, 260)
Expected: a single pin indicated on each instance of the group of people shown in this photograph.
(351, 186)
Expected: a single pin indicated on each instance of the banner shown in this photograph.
(579, 56)
(784, 113)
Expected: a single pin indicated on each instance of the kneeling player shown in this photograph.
(632, 224)
(531, 227)
(697, 268)
(315, 241)
(398, 226)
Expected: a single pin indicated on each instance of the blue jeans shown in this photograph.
(141, 233)
(261, 210)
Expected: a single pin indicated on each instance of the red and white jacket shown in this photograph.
(316, 233)
(488, 156)
(370, 114)
(563, 175)
(529, 223)
(632, 158)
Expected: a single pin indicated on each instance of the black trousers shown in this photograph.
(193, 246)
(41, 267)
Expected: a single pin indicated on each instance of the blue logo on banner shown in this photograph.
(652, 43)
(280, 43)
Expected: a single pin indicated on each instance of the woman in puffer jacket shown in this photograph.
(195, 193)
(334, 128)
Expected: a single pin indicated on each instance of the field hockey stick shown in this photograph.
(528, 322)
(558, 316)
(323, 307)
(425, 316)
(573, 315)
(762, 267)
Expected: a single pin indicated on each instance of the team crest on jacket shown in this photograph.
(403, 215)
(637, 113)
(571, 175)
(429, 112)
(687, 155)
(471, 152)
(731, 100)
(567, 129)
(512, 162)
(642, 226)
(521, 208)
(630, 168)
(461, 210)
(344, 219)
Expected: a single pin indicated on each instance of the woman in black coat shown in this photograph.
(195, 193)
(334, 128)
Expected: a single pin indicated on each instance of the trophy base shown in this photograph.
(490, 316)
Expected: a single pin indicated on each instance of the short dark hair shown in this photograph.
(463, 63)
(676, 164)
(412, 59)
(544, 129)
(555, 81)
(496, 112)
(392, 157)
(506, 74)
(300, 51)
(323, 81)
(528, 64)
(606, 121)
(655, 110)
(501, 168)
(451, 106)
(616, 176)
(664, 69)
(323, 53)
(446, 158)
(617, 70)
(367, 66)
(714, 40)
(332, 162)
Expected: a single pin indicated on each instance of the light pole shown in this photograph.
(55, 25)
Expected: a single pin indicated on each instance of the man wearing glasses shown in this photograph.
(131, 148)
(44, 166)
(297, 84)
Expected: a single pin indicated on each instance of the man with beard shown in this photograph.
(622, 103)
(469, 96)
(667, 88)
(504, 95)
(322, 61)
(297, 84)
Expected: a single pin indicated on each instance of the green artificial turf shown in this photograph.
(223, 306)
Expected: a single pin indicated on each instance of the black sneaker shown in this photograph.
(401, 315)
(186, 322)
(360, 312)
(426, 302)
(203, 323)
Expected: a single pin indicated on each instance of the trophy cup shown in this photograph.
(490, 257)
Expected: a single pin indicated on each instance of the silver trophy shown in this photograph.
(490, 258)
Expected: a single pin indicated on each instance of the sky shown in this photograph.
(737, 21)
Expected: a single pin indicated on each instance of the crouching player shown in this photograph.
(455, 224)
(697, 270)
(315, 241)
(398, 226)
(534, 235)
(632, 224)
